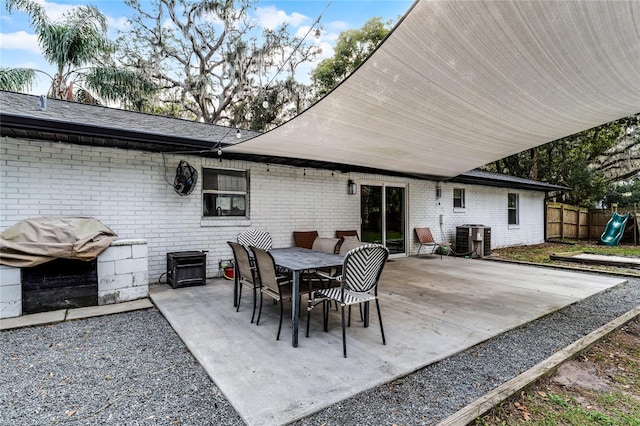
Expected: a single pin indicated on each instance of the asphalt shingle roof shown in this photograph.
(73, 122)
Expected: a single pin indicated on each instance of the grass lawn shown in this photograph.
(540, 253)
(600, 387)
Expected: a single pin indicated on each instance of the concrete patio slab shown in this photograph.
(431, 309)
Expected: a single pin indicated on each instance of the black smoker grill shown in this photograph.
(186, 268)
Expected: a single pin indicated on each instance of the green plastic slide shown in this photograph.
(614, 230)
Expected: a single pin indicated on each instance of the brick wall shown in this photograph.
(128, 191)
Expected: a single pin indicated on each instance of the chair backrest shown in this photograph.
(305, 239)
(351, 233)
(363, 266)
(255, 238)
(347, 246)
(424, 235)
(266, 268)
(325, 245)
(243, 263)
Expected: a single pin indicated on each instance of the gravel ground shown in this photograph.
(132, 369)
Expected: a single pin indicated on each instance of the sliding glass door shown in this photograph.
(383, 214)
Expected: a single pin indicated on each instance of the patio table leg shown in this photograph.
(235, 286)
(295, 308)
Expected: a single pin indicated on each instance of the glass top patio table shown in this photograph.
(297, 260)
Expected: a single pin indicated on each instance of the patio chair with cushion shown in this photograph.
(272, 285)
(255, 238)
(361, 272)
(246, 274)
(332, 275)
(349, 245)
(351, 235)
(325, 245)
(343, 234)
(425, 238)
(305, 239)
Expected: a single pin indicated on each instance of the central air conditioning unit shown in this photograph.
(473, 240)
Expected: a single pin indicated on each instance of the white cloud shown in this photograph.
(55, 10)
(269, 17)
(168, 24)
(302, 31)
(332, 29)
(120, 24)
(28, 64)
(20, 40)
(327, 51)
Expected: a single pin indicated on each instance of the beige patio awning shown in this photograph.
(457, 85)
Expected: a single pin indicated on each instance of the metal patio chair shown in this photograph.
(351, 235)
(255, 238)
(245, 274)
(317, 278)
(305, 239)
(330, 278)
(271, 284)
(425, 238)
(361, 272)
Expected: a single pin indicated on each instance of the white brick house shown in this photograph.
(81, 160)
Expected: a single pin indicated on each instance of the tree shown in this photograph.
(352, 48)
(16, 79)
(625, 194)
(210, 60)
(589, 162)
(80, 50)
(622, 160)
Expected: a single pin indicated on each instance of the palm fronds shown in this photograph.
(17, 79)
(118, 83)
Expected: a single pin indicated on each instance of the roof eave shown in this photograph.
(86, 134)
(533, 186)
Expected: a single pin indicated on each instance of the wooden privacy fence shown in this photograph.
(576, 223)
(565, 221)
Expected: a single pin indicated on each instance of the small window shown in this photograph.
(513, 209)
(224, 192)
(458, 198)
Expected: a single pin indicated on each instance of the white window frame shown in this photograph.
(461, 197)
(515, 208)
(233, 194)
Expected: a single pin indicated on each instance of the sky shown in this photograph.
(19, 45)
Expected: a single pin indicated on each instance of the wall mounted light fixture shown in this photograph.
(438, 191)
(351, 187)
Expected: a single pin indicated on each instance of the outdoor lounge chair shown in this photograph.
(245, 273)
(358, 284)
(426, 239)
(274, 286)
